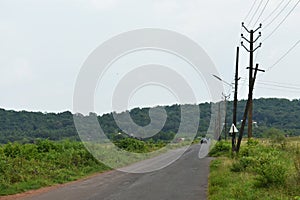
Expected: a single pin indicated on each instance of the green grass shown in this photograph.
(25, 167)
(32, 166)
(262, 170)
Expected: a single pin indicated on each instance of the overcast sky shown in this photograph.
(43, 44)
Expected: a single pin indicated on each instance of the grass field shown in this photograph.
(25, 167)
(264, 169)
(31, 166)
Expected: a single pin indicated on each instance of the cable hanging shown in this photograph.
(257, 9)
(282, 21)
(278, 14)
(277, 7)
(261, 13)
(284, 55)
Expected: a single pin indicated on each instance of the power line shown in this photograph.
(278, 14)
(281, 90)
(278, 84)
(248, 14)
(259, 5)
(261, 13)
(284, 55)
(282, 21)
(278, 6)
(291, 84)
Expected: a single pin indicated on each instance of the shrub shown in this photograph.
(242, 164)
(215, 164)
(277, 137)
(44, 146)
(132, 145)
(221, 148)
(271, 169)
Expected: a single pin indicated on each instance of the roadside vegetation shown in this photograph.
(26, 127)
(43, 163)
(263, 169)
(30, 166)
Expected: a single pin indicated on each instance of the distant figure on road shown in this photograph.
(203, 140)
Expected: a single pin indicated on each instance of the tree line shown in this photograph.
(26, 127)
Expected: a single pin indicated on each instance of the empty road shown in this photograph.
(185, 179)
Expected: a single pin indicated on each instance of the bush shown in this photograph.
(267, 163)
(250, 148)
(132, 145)
(221, 148)
(28, 166)
(271, 168)
(277, 137)
(242, 164)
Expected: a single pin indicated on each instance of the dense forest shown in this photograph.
(26, 127)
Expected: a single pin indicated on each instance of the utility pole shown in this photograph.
(251, 42)
(250, 95)
(235, 97)
(225, 121)
(219, 121)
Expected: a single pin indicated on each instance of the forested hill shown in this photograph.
(27, 126)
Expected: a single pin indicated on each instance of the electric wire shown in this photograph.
(257, 9)
(261, 13)
(282, 21)
(277, 7)
(283, 56)
(276, 89)
(278, 84)
(248, 14)
(278, 14)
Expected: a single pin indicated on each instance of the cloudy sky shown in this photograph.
(43, 44)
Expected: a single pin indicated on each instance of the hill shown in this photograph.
(26, 127)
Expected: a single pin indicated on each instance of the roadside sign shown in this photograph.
(233, 129)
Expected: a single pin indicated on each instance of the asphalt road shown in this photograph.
(185, 179)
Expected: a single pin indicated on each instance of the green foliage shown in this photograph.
(277, 137)
(215, 164)
(297, 167)
(242, 164)
(271, 169)
(132, 145)
(259, 168)
(26, 127)
(31, 166)
(220, 148)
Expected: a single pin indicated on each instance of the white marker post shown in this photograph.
(233, 129)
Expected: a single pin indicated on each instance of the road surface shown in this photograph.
(185, 179)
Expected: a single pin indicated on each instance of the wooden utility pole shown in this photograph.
(251, 42)
(235, 97)
(250, 95)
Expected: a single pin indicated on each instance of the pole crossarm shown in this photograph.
(257, 37)
(245, 47)
(257, 47)
(260, 26)
(243, 25)
(260, 70)
(245, 38)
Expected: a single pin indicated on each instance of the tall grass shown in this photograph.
(262, 170)
(31, 166)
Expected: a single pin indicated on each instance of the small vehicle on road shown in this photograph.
(203, 141)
